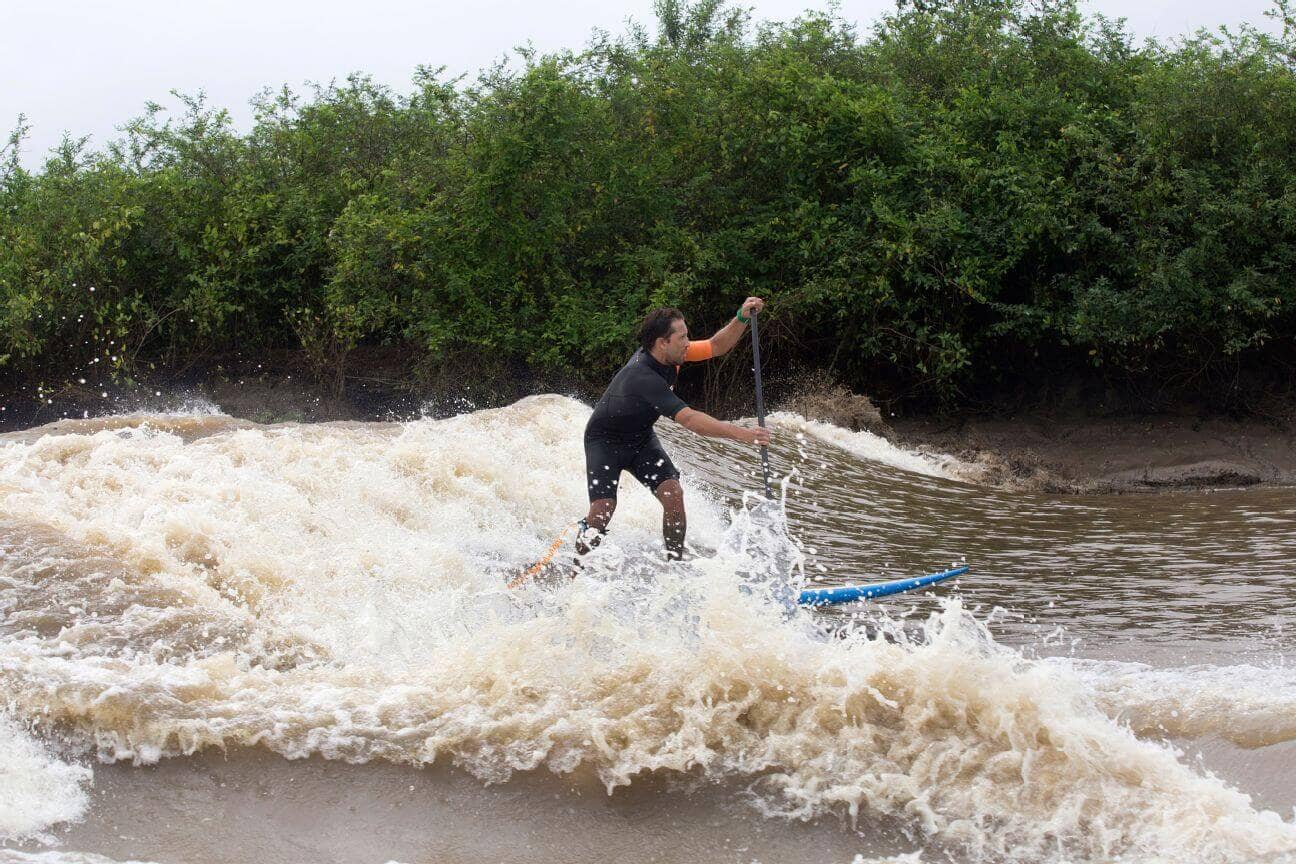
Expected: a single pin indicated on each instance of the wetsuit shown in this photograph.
(620, 437)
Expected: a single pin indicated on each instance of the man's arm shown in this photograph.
(704, 424)
(727, 336)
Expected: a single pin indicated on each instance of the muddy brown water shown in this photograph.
(271, 643)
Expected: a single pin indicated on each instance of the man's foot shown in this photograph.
(587, 538)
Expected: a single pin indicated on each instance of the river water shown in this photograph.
(225, 642)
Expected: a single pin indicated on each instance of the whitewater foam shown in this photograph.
(1250, 706)
(867, 445)
(39, 789)
(337, 590)
(59, 856)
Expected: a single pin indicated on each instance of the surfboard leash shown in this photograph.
(544, 561)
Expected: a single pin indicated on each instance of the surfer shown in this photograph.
(620, 437)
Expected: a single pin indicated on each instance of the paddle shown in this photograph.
(537, 567)
(764, 540)
(760, 398)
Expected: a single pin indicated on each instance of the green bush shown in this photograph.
(973, 192)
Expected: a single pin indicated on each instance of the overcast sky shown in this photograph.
(87, 67)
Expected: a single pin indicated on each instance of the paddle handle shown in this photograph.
(760, 398)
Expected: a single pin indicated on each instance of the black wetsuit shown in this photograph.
(620, 437)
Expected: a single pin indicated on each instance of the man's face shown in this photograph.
(674, 346)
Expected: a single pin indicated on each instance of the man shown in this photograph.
(620, 437)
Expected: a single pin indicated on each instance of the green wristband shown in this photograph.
(741, 319)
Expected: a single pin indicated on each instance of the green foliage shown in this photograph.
(972, 189)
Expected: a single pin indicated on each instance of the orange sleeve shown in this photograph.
(700, 350)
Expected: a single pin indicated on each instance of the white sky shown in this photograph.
(88, 66)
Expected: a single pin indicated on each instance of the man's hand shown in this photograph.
(752, 304)
(704, 424)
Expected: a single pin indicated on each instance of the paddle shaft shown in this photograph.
(760, 398)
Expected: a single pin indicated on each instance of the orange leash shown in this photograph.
(539, 565)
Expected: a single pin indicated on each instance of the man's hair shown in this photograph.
(657, 325)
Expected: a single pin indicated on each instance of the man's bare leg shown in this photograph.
(600, 514)
(674, 523)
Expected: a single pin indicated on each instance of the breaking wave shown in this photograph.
(173, 584)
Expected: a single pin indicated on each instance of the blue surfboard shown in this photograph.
(851, 593)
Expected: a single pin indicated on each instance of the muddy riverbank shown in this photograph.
(1070, 450)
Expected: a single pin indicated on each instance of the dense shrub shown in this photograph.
(973, 192)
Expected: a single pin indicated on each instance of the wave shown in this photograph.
(867, 445)
(40, 790)
(337, 590)
(1250, 706)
